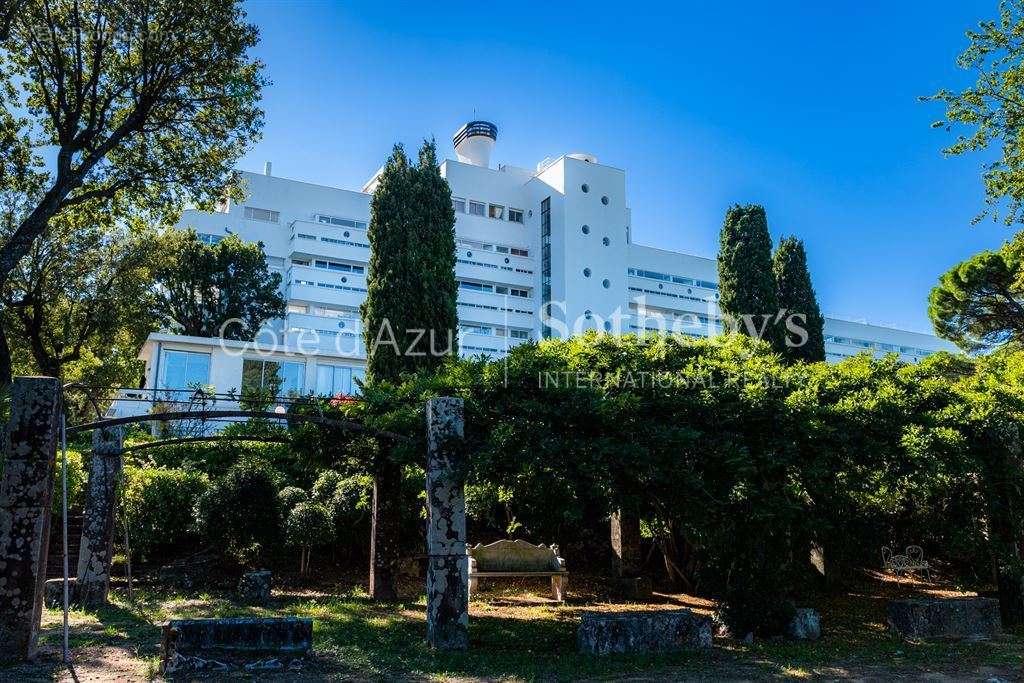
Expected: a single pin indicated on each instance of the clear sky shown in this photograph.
(807, 108)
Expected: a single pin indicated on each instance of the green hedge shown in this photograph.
(158, 504)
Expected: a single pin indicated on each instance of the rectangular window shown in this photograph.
(340, 222)
(338, 267)
(497, 211)
(520, 252)
(477, 208)
(519, 334)
(545, 263)
(298, 308)
(265, 215)
(207, 238)
(280, 378)
(332, 380)
(501, 249)
(459, 204)
(515, 215)
(184, 370)
(300, 262)
(475, 286)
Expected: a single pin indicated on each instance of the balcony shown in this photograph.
(330, 241)
(490, 266)
(306, 283)
(496, 309)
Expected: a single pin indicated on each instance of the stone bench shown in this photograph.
(945, 618)
(603, 633)
(512, 559)
(234, 638)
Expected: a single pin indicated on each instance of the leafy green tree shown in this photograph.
(979, 303)
(804, 334)
(409, 316)
(241, 512)
(221, 290)
(747, 293)
(82, 301)
(991, 108)
(309, 525)
(137, 107)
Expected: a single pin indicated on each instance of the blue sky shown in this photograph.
(807, 108)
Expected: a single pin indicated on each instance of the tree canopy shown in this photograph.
(220, 290)
(797, 298)
(979, 303)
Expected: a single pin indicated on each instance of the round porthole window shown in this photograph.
(344, 279)
(586, 272)
(506, 259)
(716, 296)
(607, 325)
(606, 241)
(604, 200)
(661, 286)
(689, 291)
(341, 324)
(585, 187)
(469, 253)
(586, 229)
(347, 234)
(587, 314)
(606, 284)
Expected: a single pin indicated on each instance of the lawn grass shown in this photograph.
(516, 634)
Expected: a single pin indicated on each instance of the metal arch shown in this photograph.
(193, 439)
(208, 414)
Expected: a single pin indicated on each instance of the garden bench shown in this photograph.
(912, 561)
(507, 559)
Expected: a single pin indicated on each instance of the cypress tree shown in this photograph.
(747, 292)
(410, 319)
(796, 296)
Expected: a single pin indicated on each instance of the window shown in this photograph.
(497, 211)
(604, 200)
(279, 378)
(515, 215)
(298, 308)
(459, 204)
(338, 267)
(184, 370)
(585, 187)
(545, 261)
(265, 215)
(520, 252)
(585, 229)
(475, 286)
(586, 272)
(340, 222)
(332, 380)
(207, 238)
(477, 329)
(300, 262)
(519, 334)
(477, 208)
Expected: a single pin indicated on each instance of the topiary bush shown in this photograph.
(291, 496)
(241, 512)
(308, 526)
(158, 505)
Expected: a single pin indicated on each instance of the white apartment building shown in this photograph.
(556, 236)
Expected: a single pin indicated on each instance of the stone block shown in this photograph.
(602, 633)
(945, 618)
(234, 639)
(53, 594)
(254, 588)
(806, 625)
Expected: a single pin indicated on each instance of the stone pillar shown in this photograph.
(97, 547)
(26, 493)
(448, 564)
(627, 561)
(626, 544)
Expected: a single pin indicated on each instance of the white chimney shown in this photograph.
(474, 142)
(266, 168)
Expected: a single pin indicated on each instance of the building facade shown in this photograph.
(555, 238)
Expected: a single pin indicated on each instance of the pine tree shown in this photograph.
(747, 292)
(796, 297)
(410, 320)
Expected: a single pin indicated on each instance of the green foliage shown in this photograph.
(158, 504)
(221, 290)
(410, 278)
(77, 479)
(241, 513)
(797, 298)
(990, 108)
(309, 525)
(290, 496)
(979, 303)
(746, 284)
(215, 458)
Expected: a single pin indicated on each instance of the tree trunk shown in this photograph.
(6, 364)
(384, 542)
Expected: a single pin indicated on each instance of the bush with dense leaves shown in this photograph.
(158, 505)
(77, 479)
(291, 496)
(309, 525)
(241, 513)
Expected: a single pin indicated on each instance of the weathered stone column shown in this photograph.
(97, 547)
(626, 544)
(26, 493)
(448, 566)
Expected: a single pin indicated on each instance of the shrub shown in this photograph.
(241, 512)
(290, 496)
(309, 526)
(158, 505)
(77, 479)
